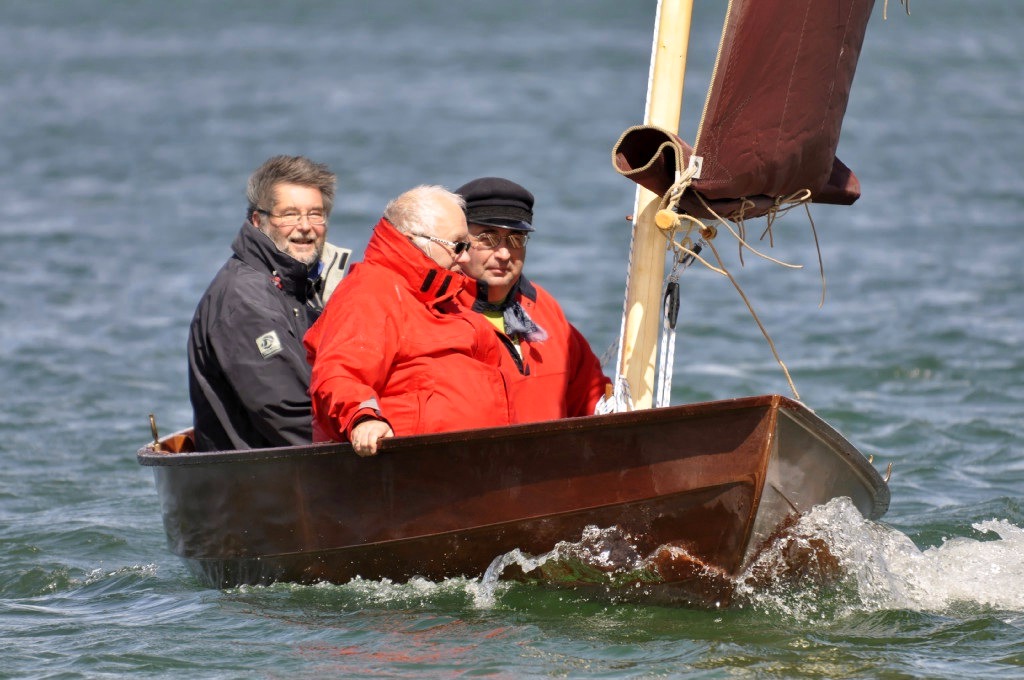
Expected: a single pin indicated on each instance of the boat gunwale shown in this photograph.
(149, 457)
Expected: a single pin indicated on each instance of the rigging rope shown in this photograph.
(671, 223)
(617, 399)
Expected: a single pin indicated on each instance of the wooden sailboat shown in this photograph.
(700, 489)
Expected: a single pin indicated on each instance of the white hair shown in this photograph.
(420, 209)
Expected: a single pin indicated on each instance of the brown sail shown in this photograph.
(773, 113)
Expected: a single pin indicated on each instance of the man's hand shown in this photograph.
(366, 435)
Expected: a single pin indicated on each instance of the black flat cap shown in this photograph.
(497, 202)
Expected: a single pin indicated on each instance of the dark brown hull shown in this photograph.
(716, 479)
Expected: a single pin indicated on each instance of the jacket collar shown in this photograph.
(257, 250)
(522, 286)
(430, 284)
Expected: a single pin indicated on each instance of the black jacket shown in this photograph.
(248, 376)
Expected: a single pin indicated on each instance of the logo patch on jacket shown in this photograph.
(269, 344)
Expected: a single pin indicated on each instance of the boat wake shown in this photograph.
(830, 562)
(879, 568)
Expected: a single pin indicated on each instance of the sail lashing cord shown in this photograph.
(781, 207)
(743, 296)
(671, 221)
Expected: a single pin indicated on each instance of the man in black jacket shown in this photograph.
(248, 375)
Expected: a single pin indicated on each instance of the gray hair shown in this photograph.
(288, 170)
(419, 209)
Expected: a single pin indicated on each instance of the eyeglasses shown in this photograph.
(458, 247)
(292, 219)
(491, 240)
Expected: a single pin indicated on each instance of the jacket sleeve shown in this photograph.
(586, 380)
(265, 364)
(351, 348)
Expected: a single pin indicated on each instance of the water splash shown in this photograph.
(485, 595)
(833, 562)
(603, 560)
(880, 568)
(962, 571)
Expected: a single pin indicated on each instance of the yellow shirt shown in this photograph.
(498, 319)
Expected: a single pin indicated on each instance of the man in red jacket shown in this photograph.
(393, 353)
(551, 369)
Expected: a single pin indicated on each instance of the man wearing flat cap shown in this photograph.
(551, 370)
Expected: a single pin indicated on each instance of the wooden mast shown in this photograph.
(647, 258)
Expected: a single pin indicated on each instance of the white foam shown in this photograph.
(884, 570)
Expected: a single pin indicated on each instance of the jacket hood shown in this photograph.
(257, 250)
(430, 284)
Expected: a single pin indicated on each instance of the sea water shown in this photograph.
(128, 131)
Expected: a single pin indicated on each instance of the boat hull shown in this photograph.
(715, 481)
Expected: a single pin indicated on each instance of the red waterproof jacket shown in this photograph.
(392, 343)
(554, 378)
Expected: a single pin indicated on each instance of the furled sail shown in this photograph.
(772, 117)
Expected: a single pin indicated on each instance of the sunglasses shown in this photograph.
(457, 247)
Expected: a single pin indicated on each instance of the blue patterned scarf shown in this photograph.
(518, 324)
